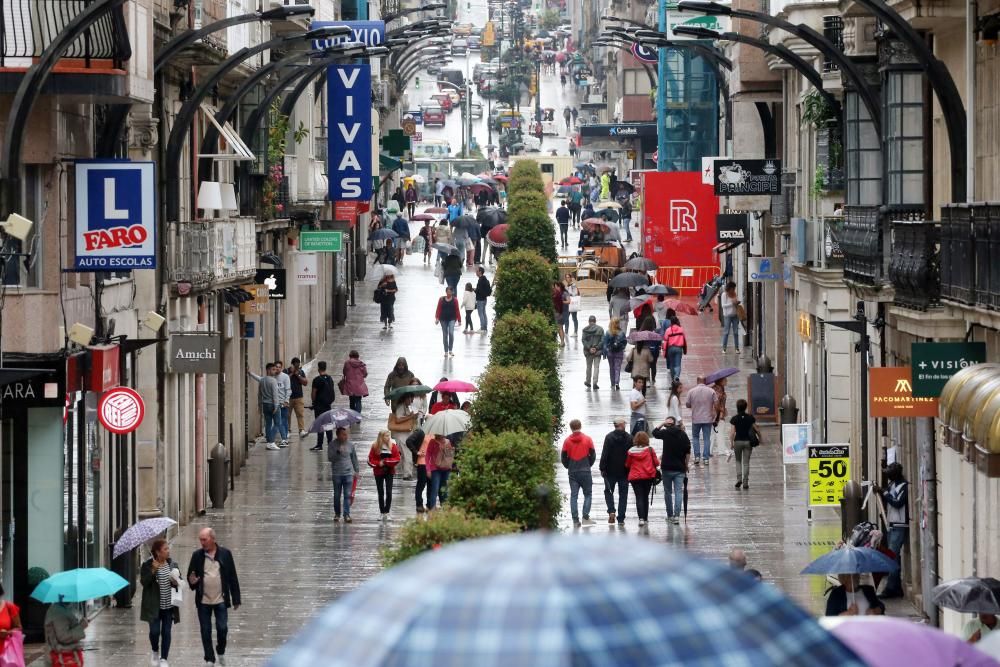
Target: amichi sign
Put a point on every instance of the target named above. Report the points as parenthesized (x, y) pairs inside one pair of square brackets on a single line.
[(195, 352), (934, 363)]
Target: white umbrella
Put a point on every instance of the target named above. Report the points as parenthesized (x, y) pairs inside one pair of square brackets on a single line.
[(389, 270), (447, 422)]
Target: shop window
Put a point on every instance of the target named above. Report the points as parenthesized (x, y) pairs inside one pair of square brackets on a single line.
[(637, 82)]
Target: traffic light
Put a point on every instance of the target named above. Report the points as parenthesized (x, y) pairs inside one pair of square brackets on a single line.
[(416, 82)]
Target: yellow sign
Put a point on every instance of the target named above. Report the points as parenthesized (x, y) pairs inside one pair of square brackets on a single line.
[(805, 326), (259, 302), (829, 470), (489, 36)]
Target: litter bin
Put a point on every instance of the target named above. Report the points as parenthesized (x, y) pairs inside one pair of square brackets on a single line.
[(340, 306), (851, 513), (789, 410), (218, 476), (360, 264)]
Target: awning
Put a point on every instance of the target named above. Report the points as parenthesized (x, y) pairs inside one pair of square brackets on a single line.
[(232, 138), (11, 375), (387, 164), (970, 410), (130, 345)]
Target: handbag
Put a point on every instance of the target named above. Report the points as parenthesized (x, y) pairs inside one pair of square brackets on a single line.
[(574, 304), (176, 594), (397, 424), (754, 438), (342, 386), (628, 361), (13, 650), (379, 295)]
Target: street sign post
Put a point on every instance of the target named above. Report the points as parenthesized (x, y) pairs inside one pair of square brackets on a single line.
[(829, 470), (935, 363), (323, 241)]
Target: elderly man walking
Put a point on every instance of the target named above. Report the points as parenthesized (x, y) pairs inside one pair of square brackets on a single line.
[(702, 401), (593, 343), (211, 574)]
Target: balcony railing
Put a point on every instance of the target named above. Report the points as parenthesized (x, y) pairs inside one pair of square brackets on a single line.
[(862, 242), (28, 26), (205, 253), (970, 245), (816, 242), (914, 264)]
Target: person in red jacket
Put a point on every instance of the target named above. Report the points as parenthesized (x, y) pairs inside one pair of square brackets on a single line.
[(578, 457), (448, 314), (641, 463), (383, 457)]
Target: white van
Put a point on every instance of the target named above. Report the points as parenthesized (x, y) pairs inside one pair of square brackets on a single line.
[(432, 148)]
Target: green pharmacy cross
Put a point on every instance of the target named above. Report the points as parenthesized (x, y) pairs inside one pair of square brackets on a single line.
[(396, 143)]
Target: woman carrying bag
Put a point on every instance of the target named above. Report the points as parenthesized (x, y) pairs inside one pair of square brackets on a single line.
[(11, 637), (160, 578), (744, 437), (383, 457)]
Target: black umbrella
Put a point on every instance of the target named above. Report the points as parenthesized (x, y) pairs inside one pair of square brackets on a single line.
[(665, 290), (465, 222), (714, 286), (976, 595), (623, 185), (641, 264), (629, 279)]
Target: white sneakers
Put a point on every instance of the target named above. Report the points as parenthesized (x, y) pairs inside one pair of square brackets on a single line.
[(154, 660), (272, 447), (303, 433), (587, 523), (221, 659), (163, 662), (283, 444), (642, 522)]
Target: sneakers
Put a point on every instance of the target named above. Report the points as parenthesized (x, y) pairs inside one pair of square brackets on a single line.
[(303, 433), (283, 444), (611, 517), (596, 387), (163, 662), (336, 518), (587, 523), (642, 522), (697, 460), (739, 484), (155, 659), (347, 519), (317, 448), (746, 485), (587, 385), (220, 658), (676, 520), (385, 517), (272, 447), (576, 523)]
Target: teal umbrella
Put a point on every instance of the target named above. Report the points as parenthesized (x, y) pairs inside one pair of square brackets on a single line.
[(79, 585), (399, 392)]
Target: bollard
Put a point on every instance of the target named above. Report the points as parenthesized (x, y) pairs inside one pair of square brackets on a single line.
[(850, 509), (218, 476), (764, 364), (789, 410), (340, 305)]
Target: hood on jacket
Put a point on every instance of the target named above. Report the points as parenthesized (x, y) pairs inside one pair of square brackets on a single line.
[(355, 364), (638, 450), (593, 328), (406, 367), (578, 445)]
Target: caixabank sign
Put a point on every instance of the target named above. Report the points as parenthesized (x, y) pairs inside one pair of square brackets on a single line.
[(115, 215)]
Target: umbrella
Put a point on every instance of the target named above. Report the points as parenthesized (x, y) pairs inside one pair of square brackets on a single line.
[(561, 56), (564, 189), (465, 222), (388, 270), (609, 214), (637, 308), (455, 385), (850, 560), (625, 600), (640, 264), (644, 337), (447, 421), (607, 203), (596, 224), (438, 174), (445, 248), (450, 183), (338, 417), (640, 299), (571, 180), (665, 290), (681, 307), (882, 640), (497, 236), (382, 234), (629, 279), (714, 285), (79, 585), (622, 185), (990, 645), (976, 595), (422, 217), (399, 392), (140, 533), (500, 177), (720, 374), (491, 216), (468, 181), (580, 165), (435, 209)]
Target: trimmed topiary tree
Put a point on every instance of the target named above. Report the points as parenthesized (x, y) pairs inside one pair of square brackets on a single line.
[(444, 526), (523, 281), (533, 231), (526, 202), (523, 185), (501, 476), (509, 347), (512, 397), (526, 167)]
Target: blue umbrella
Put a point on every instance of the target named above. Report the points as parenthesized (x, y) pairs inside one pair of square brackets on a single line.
[(382, 235), (851, 560), (142, 532), (720, 374), (338, 417), (79, 585), (551, 599)]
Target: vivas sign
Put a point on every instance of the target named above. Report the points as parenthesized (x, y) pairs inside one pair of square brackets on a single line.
[(349, 158), (747, 177), (115, 215)]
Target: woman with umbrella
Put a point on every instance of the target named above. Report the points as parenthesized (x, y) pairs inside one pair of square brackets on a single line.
[(867, 604), (613, 349), (618, 302), (158, 579), (385, 294), (642, 362)]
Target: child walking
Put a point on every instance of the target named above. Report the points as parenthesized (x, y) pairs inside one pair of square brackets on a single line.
[(469, 304)]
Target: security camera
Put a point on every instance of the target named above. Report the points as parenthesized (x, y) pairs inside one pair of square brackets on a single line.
[(153, 321), (17, 226), (81, 334)]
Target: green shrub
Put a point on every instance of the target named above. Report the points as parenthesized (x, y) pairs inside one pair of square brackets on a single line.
[(526, 168), (523, 281), (508, 348), (526, 202), (500, 477), (512, 397), (524, 184), (533, 231), (441, 527)]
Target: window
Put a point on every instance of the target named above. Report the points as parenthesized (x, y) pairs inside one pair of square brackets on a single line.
[(904, 142), (863, 166), (637, 82), (21, 259)]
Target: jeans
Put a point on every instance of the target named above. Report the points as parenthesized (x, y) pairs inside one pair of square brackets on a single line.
[(318, 410), (418, 494), (354, 402), (675, 480), (742, 450), (675, 354), (439, 490), (730, 323), (160, 628), (615, 366), (283, 425), (641, 489), (634, 419), (593, 366), (564, 234), (898, 538), (452, 281), (448, 334), (205, 612), (701, 433), (627, 224), (576, 322), (342, 489), (272, 419), (468, 320), (580, 479), (384, 485), (481, 309), (610, 484)]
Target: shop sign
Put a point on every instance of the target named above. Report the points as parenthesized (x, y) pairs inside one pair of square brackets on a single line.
[(747, 177), (934, 363), (679, 223), (325, 241), (805, 326), (195, 352), (115, 215), (764, 269), (829, 470), (891, 394), (258, 304), (121, 410), (795, 442), (620, 131), (104, 368), (47, 390), (369, 33), (732, 227), (274, 280), (306, 269), (645, 54), (349, 154)]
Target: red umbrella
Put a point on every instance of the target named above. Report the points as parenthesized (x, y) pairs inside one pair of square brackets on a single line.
[(435, 209), (422, 217), (500, 177), (593, 224), (498, 236), (570, 180), (681, 307), (455, 385), (476, 187), (648, 302)]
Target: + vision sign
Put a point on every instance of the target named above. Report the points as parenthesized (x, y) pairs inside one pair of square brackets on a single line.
[(115, 215)]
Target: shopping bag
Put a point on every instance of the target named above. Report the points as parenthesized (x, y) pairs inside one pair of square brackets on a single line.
[(13, 650)]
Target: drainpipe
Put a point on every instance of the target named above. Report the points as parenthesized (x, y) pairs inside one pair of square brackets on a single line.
[(928, 515), (971, 12), (199, 422)]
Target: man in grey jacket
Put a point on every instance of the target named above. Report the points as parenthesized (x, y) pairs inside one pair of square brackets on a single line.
[(284, 383), (268, 396), (592, 339), (344, 462)]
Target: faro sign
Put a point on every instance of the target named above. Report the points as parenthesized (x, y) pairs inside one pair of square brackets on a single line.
[(115, 215), (349, 156)]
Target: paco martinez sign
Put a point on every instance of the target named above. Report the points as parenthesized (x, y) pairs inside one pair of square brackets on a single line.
[(891, 394)]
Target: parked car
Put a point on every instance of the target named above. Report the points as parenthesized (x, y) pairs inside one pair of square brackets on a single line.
[(462, 29), (474, 43), (460, 47), (433, 115), (476, 109), (433, 70), (444, 101)]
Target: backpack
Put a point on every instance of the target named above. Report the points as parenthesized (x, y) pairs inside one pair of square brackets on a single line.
[(445, 457), (379, 295), (618, 344)]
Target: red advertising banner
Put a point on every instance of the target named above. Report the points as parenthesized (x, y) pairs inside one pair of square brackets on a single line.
[(346, 211), (678, 228)]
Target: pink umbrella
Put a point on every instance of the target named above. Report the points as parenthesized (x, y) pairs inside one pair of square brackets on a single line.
[(883, 640), (455, 385), (435, 209)]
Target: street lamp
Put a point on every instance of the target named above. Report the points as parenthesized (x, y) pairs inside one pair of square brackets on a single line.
[(405, 12)]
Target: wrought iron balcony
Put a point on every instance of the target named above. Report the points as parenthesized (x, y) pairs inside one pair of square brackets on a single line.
[(207, 253), (862, 240), (914, 264), (28, 26), (970, 244)]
